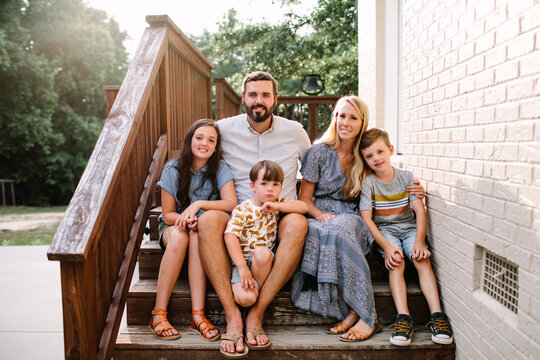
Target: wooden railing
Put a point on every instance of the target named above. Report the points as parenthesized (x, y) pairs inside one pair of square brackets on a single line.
[(313, 112), (227, 100), (166, 88)]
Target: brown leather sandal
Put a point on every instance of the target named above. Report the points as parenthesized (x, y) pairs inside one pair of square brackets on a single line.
[(207, 327), (165, 325), (362, 336), (341, 326)]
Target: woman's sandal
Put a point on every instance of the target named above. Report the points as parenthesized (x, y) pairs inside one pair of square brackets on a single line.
[(208, 326), (165, 325), (234, 338), (341, 326), (256, 332), (362, 336)]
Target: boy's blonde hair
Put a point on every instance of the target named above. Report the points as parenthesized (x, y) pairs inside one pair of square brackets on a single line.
[(272, 171), (353, 185), (370, 137)]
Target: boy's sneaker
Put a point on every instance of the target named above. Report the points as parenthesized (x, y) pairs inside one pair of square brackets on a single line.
[(404, 329), (441, 331)]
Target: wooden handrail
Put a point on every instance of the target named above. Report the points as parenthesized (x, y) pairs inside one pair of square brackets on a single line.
[(112, 324), (166, 88), (72, 240)]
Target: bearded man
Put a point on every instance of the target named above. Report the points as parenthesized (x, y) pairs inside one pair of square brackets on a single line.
[(247, 139)]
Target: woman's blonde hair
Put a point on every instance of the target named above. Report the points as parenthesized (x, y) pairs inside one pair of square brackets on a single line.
[(330, 137)]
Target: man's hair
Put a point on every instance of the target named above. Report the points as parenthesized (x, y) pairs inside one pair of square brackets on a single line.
[(272, 171), (373, 135), (258, 76)]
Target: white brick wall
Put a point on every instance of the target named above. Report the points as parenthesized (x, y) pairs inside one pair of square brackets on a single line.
[(471, 102)]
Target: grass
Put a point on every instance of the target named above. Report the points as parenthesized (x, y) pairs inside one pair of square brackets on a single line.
[(22, 210), (39, 236)]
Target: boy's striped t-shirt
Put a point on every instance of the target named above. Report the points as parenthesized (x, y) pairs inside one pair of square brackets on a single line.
[(387, 205), (390, 202)]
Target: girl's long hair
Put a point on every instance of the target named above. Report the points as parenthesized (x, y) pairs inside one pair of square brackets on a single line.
[(185, 160), (330, 137)]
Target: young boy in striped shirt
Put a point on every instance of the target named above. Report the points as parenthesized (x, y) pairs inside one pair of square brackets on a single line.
[(385, 206)]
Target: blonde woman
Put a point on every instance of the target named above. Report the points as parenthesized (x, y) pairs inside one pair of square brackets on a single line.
[(333, 278)]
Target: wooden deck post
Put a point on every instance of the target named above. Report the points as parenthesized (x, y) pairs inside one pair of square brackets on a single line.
[(313, 124), (110, 95), (227, 100), (78, 303)]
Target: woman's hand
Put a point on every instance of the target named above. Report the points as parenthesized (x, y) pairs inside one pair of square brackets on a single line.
[(417, 189), (324, 217)]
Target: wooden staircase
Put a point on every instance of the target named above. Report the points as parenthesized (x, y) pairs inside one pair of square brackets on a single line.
[(295, 334)]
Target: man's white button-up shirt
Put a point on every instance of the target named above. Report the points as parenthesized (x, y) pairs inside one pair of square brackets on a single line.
[(285, 142)]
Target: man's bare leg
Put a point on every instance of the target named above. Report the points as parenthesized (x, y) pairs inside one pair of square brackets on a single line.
[(217, 264), (292, 233)]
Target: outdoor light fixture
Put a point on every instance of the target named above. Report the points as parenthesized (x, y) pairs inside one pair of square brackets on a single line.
[(312, 84)]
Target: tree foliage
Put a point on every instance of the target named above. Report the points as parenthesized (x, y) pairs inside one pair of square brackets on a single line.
[(323, 42), (55, 56)]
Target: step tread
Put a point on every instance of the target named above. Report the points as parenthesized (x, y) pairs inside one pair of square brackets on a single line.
[(283, 338), (151, 246), (148, 287)]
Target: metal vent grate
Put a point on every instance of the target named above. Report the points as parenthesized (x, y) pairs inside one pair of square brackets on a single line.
[(500, 280)]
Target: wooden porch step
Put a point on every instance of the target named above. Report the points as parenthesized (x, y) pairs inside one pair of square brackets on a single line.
[(288, 342), (150, 256), (281, 311)]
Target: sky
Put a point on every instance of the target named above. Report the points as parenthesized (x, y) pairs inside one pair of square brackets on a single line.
[(191, 16)]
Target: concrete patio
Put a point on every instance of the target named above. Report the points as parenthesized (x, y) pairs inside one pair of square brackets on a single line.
[(31, 303)]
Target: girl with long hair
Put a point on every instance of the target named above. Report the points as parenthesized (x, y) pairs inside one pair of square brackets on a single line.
[(196, 181)]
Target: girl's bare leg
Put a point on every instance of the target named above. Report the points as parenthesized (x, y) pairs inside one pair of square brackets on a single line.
[(176, 242), (197, 280)]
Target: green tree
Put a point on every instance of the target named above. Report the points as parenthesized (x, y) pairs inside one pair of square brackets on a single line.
[(323, 42), (55, 57)]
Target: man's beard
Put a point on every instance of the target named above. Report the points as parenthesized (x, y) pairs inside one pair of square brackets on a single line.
[(259, 117)]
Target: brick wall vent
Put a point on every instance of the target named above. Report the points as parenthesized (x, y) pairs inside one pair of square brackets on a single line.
[(500, 280)]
